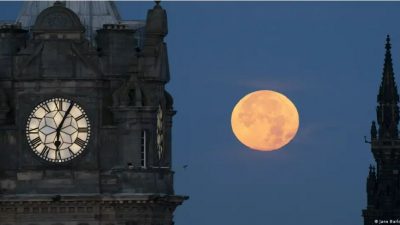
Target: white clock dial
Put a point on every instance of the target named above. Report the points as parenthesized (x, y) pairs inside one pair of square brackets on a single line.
[(58, 130)]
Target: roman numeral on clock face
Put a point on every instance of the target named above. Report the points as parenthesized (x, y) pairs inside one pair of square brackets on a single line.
[(71, 152), (45, 107), (80, 117), (35, 142), (34, 130), (45, 151), (82, 129), (80, 142), (59, 105)]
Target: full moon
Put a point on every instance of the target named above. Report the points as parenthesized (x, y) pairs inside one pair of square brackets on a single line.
[(265, 120)]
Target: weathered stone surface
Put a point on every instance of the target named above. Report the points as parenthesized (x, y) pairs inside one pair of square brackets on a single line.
[(117, 209), (30, 175)]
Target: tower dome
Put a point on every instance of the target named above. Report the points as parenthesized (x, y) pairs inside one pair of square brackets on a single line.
[(92, 14)]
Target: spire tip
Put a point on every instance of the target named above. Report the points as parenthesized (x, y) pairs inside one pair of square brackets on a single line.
[(388, 45)]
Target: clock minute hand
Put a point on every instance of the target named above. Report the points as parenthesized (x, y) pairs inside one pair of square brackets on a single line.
[(65, 116), (62, 123)]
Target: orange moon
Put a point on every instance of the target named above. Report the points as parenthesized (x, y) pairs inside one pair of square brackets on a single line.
[(265, 120)]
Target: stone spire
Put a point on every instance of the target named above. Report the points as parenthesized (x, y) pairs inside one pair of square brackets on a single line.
[(388, 110)]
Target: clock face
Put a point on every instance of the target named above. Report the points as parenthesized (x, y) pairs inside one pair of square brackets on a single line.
[(58, 130)]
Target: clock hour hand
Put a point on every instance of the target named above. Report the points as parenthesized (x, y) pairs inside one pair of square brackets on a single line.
[(57, 142)]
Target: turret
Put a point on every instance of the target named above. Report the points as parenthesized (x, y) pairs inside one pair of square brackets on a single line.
[(154, 61), (156, 26), (142, 101)]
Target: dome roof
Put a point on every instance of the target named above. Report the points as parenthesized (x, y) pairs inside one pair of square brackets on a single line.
[(92, 14), (57, 18)]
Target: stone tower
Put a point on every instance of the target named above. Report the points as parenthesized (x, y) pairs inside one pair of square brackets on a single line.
[(383, 182), (85, 120)]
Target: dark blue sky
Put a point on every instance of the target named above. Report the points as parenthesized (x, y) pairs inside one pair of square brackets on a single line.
[(326, 57)]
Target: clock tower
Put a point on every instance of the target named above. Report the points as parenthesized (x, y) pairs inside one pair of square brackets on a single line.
[(85, 120), (383, 182)]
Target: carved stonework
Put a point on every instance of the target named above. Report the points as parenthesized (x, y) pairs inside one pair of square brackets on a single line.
[(144, 210), (128, 94)]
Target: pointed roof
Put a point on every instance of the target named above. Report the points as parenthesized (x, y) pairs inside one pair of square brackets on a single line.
[(388, 89), (93, 14), (388, 110)]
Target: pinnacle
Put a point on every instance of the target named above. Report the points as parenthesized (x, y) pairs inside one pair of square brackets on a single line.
[(388, 45), (387, 110)]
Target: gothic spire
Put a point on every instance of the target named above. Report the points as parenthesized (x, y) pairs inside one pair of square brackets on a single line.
[(388, 89), (387, 110)]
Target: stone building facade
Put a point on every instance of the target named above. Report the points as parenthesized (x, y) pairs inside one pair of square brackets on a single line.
[(383, 182), (85, 120)]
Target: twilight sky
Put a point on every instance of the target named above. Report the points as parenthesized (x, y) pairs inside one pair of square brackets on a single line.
[(326, 57)]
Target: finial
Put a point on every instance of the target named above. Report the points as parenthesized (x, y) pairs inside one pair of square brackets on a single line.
[(59, 3), (157, 2), (388, 46)]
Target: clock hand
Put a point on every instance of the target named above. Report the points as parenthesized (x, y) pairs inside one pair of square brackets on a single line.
[(57, 142), (65, 115)]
